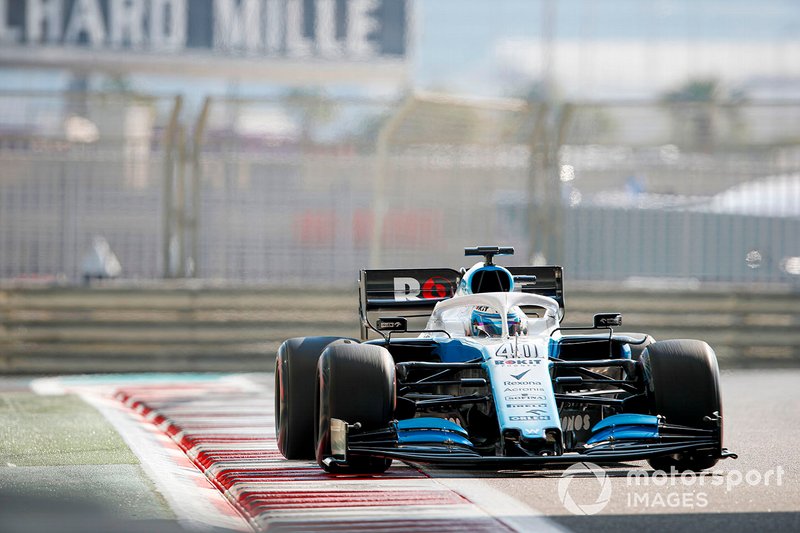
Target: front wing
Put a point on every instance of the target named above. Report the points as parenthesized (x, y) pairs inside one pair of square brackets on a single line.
[(618, 438)]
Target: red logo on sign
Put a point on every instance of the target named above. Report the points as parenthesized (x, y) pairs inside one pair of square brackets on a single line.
[(436, 287)]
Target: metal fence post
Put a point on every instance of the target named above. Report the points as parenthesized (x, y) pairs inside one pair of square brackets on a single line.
[(180, 201), (545, 209), (169, 170), (381, 161), (537, 222), (193, 220), (557, 203)]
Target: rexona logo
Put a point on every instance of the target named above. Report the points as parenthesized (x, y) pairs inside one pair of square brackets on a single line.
[(409, 288), (521, 383)]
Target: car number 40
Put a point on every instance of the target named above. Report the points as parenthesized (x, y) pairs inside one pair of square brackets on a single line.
[(508, 350)]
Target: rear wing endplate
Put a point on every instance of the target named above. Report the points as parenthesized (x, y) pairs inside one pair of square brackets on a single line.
[(545, 281), (403, 292)]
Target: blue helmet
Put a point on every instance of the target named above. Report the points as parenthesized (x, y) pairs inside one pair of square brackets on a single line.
[(486, 323)]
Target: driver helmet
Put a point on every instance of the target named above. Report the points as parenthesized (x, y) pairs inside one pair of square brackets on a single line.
[(485, 322)]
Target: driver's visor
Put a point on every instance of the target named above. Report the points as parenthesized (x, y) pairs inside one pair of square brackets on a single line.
[(494, 328)]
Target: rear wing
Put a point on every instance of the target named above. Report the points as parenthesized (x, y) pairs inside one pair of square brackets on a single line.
[(546, 281), (414, 292)]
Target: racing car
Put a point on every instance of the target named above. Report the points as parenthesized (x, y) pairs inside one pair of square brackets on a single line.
[(473, 368)]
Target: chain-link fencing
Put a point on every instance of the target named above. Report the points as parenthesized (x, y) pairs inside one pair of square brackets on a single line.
[(75, 166), (306, 188)]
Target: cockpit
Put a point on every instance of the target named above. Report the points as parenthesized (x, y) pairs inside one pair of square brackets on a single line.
[(487, 322), (494, 315)]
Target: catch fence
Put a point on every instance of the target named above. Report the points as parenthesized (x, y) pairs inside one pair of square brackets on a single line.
[(306, 189)]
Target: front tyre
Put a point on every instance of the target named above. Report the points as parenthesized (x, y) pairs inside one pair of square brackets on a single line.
[(295, 368), (355, 383), (683, 381)]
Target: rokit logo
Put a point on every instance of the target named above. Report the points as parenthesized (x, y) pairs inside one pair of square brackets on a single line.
[(527, 362)]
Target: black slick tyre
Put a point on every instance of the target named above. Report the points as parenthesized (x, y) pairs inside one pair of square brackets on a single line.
[(355, 383), (683, 382), (295, 368)]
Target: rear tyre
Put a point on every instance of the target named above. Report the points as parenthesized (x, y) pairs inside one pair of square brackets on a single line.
[(355, 383), (683, 381), (295, 367)]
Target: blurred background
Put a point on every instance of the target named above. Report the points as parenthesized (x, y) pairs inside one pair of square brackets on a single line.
[(185, 183)]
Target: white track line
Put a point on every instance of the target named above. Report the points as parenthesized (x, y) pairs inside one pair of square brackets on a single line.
[(197, 504)]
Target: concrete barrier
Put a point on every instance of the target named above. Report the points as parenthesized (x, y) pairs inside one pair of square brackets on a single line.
[(183, 327)]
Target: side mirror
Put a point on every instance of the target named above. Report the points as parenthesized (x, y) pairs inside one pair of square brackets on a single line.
[(394, 323), (607, 320)]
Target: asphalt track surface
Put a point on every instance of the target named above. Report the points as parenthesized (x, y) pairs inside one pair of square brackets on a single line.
[(762, 425), (760, 490)]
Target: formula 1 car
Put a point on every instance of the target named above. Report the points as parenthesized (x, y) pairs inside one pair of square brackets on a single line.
[(491, 379)]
